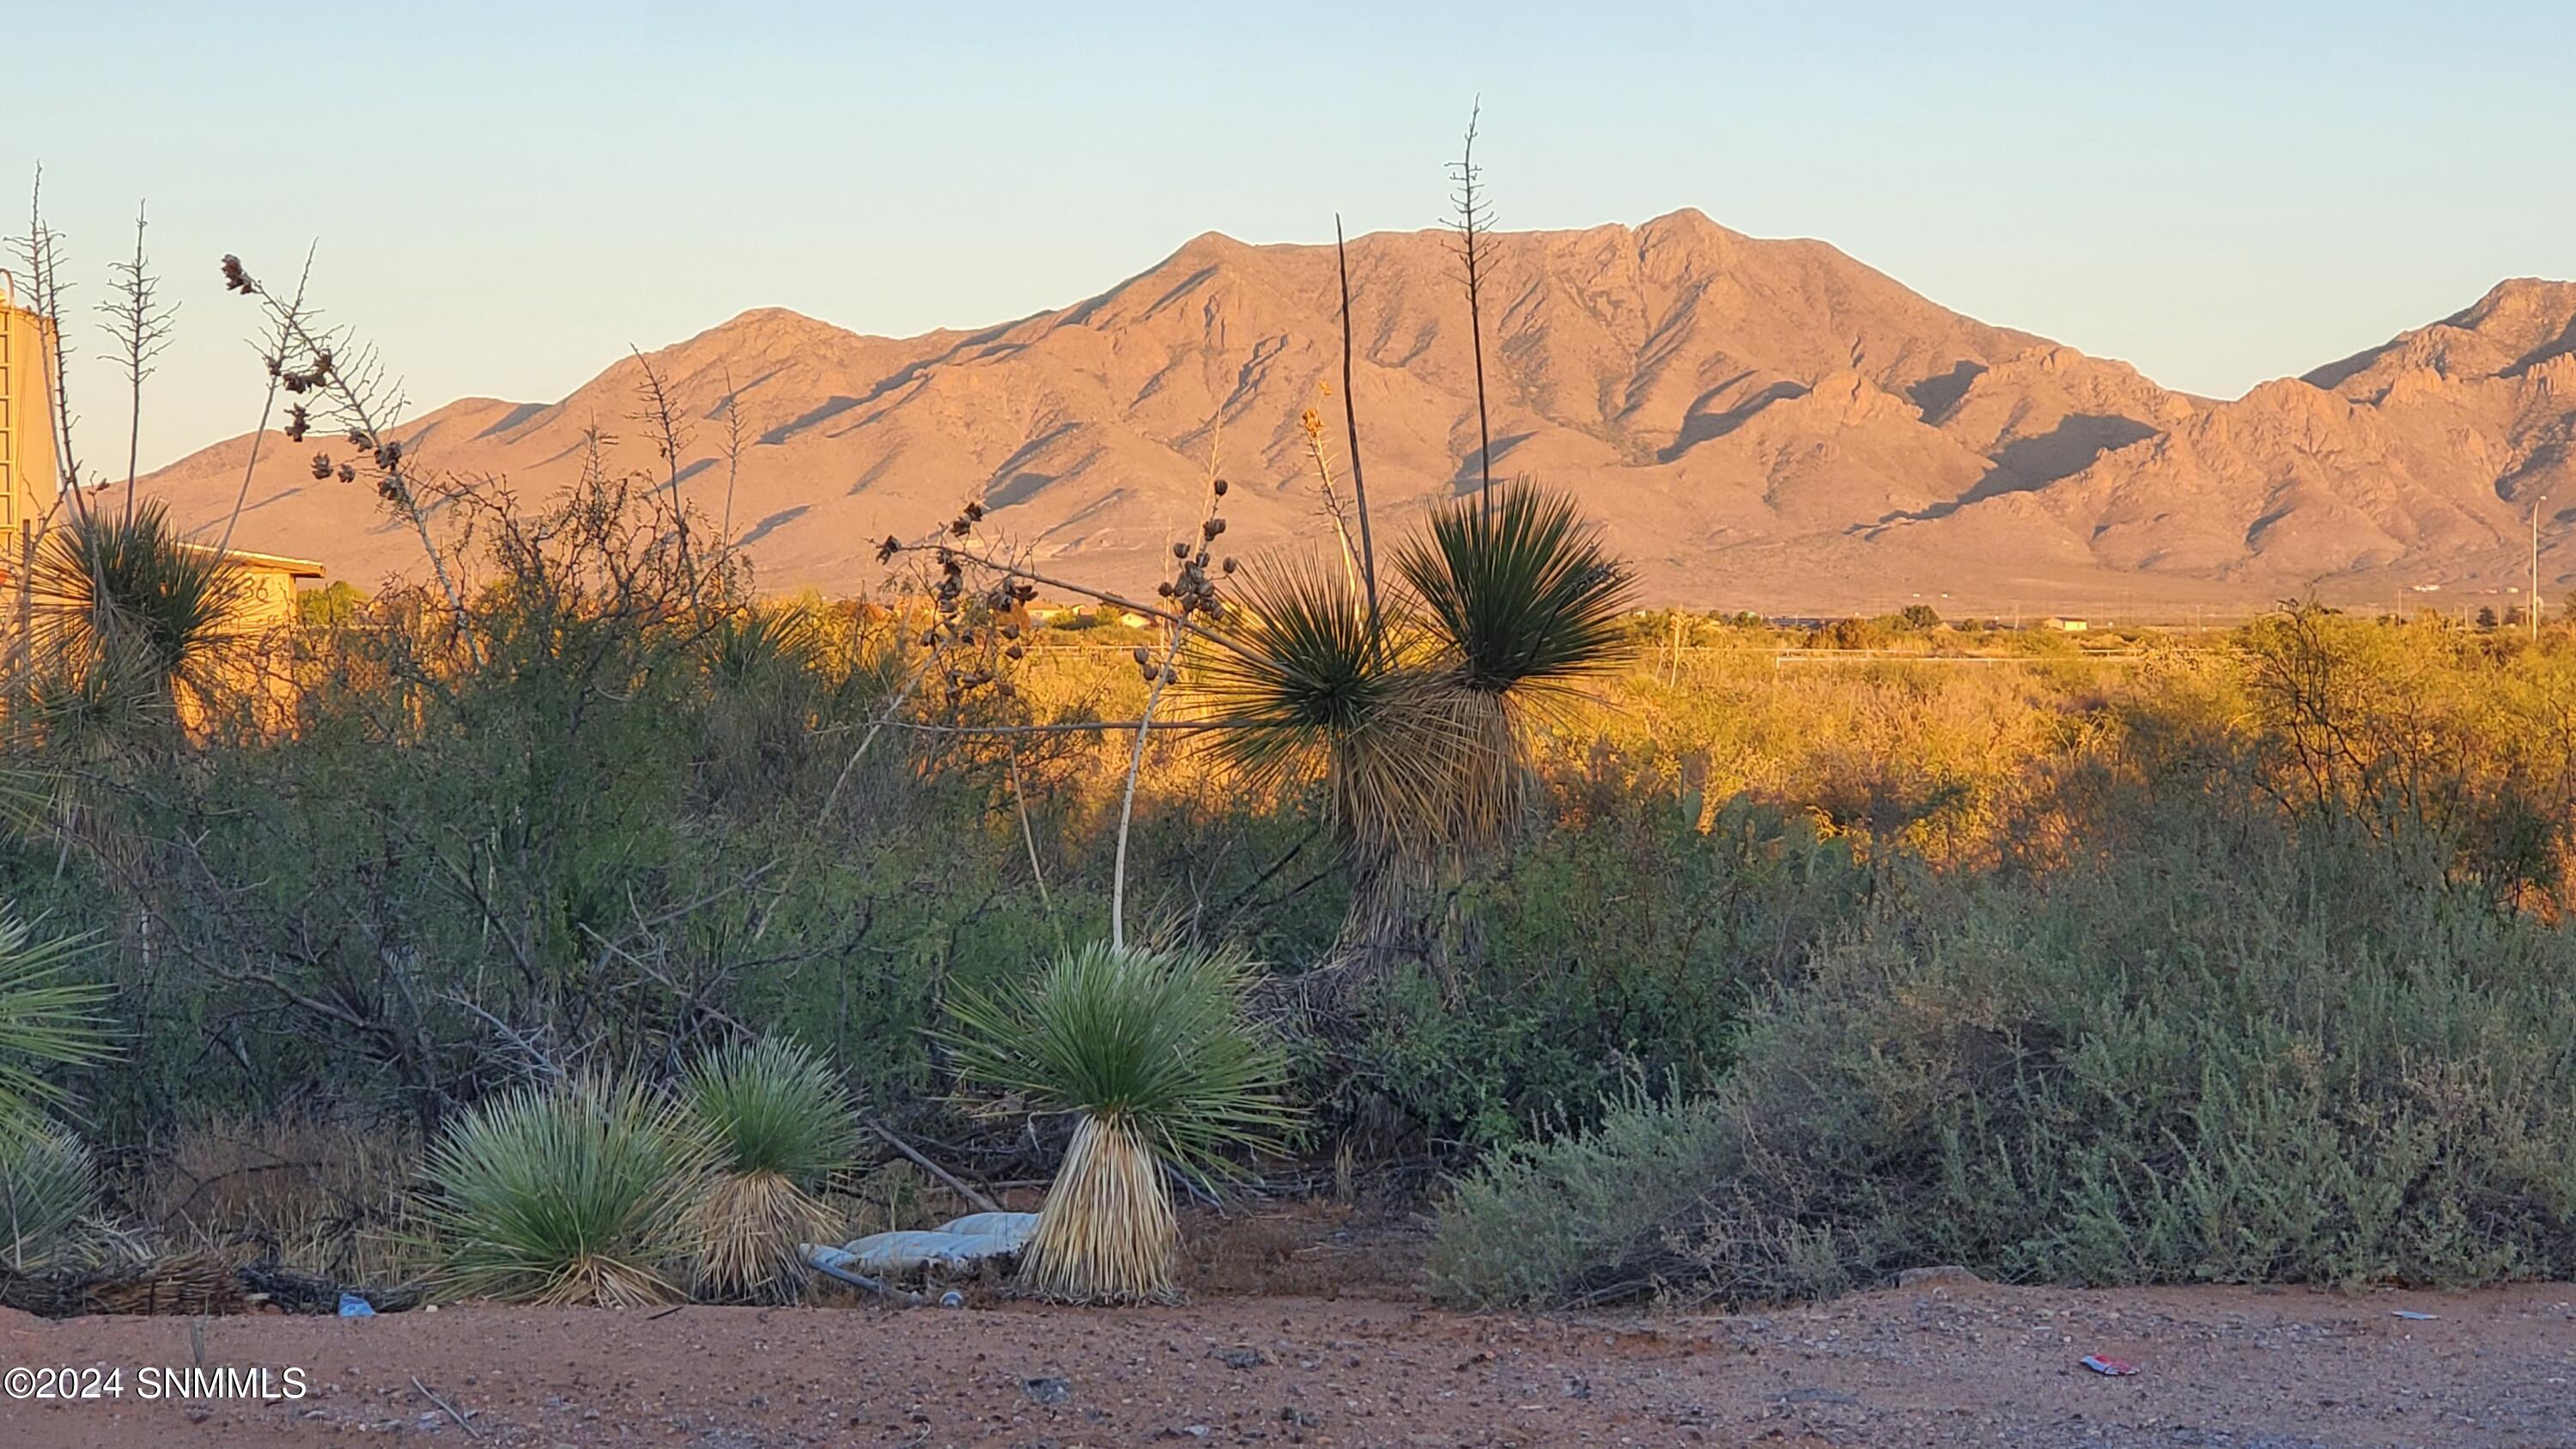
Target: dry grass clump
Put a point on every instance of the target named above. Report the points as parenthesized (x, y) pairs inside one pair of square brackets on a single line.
[(324, 1195), (781, 1125)]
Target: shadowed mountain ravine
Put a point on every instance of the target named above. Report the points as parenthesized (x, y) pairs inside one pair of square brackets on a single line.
[(1758, 424)]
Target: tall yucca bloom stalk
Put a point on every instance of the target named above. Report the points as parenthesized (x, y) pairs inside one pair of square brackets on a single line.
[(780, 1125), (1155, 1054)]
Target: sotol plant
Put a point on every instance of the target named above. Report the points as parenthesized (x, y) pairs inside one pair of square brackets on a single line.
[(780, 1125), (573, 1193), (1154, 1054)]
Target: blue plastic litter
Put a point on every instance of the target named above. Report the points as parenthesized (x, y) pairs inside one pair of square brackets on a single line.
[(353, 1306)]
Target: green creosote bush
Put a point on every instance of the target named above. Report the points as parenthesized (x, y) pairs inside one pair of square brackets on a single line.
[(2235, 1053), (1554, 1018)]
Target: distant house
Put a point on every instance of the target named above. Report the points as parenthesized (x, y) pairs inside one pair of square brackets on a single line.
[(2064, 626), (268, 596), (30, 475)]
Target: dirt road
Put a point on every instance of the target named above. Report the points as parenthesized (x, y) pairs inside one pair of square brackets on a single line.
[(1932, 1364)]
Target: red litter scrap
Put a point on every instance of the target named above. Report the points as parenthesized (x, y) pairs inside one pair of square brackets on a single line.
[(2108, 1367)]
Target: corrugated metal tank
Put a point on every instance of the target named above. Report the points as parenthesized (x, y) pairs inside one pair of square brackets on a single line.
[(29, 474)]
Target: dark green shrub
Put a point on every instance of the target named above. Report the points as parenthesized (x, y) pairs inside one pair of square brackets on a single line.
[(1627, 942), (2232, 1054)]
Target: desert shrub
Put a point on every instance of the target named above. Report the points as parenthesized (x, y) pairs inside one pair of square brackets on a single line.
[(575, 1193), (1851, 634), (329, 1195), (2241, 1050), (615, 814), (2421, 733), (1540, 1219), (48, 1191), (781, 1124), (1626, 942)]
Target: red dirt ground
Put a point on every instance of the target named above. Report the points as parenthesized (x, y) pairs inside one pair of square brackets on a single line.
[(1938, 1363)]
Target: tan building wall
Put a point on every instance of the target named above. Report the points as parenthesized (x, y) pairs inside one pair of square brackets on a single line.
[(269, 589)]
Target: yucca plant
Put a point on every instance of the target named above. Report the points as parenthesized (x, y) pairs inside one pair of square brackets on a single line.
[(130, 616), (745, 646), (48, 1192), (45, 1020), (780, 1125), (1528, 606), (1416, 711), (568, 1193), (1523, 592), (1306, 683), (1155, 1055)]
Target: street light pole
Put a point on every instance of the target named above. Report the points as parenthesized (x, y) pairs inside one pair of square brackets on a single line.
[(2535, 568)]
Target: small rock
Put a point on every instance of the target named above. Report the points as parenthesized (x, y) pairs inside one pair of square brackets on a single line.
[(1242, 1358), (1047, 1391), (1817, 1396)]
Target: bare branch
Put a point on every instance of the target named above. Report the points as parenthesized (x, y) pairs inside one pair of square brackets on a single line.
[(1351, 421), (1472, 221), (331, 365), (669, 437), (267, 409), (141, 323)]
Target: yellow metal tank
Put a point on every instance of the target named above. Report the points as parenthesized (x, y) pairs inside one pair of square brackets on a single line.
[(29, 474)]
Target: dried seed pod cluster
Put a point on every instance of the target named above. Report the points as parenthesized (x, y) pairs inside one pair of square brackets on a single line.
[(321, 374), (302, 380), (978, 631), (1191, 589)]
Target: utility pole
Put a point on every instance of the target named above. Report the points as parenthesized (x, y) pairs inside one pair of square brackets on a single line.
[(2534, 611)]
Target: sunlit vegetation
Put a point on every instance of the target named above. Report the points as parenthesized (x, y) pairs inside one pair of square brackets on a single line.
[(1660, 954)]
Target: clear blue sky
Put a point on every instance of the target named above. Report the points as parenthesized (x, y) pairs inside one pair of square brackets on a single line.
[(505, 196)]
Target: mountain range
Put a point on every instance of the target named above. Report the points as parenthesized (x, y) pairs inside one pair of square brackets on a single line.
[(1759, 424)]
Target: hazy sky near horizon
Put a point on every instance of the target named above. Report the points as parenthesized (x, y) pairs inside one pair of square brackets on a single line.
[(505, 196)]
